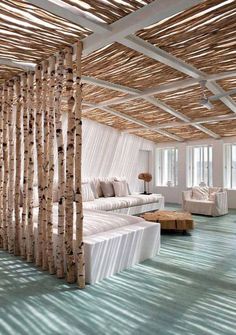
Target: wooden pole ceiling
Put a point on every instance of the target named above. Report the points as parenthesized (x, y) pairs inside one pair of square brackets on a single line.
[(147, 73)]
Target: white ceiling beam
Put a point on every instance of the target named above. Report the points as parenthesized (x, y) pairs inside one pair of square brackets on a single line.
[(19, 65), (143, 17), (158, 103), (151, 51), (105, 34), (206, 131), (71, 14), (164, 88), (119, 31), (199, 121), (164, 57), (134, 120), (217, 90)]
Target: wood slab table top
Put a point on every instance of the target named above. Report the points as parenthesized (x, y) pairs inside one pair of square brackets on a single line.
[(171, 220)]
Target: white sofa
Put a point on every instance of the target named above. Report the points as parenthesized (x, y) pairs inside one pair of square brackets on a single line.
[(212, 202), (131, 204)]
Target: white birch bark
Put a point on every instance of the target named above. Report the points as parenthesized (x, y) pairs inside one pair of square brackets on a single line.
[(69, 193), (11, 168), (18, 167), (51, 266), (30, 228), (61, 167), (78, 193), (24, 221)]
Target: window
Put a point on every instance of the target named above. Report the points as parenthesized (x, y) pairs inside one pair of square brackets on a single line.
[(230, 166), (166, 167), (199, 165)]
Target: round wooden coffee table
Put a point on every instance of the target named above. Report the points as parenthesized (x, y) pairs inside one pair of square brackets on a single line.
[(171, 220)]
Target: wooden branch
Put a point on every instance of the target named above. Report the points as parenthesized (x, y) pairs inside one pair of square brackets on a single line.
[(11, 168), (61, 166), (6, 166), (30, 228), (24, 221), (45, 165), (69, 194), (1, 166), (78, 194), (39, 148), (51, 266), (18, 166)]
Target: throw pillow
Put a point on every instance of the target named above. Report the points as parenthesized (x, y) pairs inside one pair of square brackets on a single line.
[(107, 189), (120, 188), (200, 193), (87, 193), (123, 179)]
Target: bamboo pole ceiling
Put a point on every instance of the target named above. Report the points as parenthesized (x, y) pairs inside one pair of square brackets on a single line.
[(201, 38)]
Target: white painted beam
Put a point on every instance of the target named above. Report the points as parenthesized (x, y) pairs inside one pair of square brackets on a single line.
[(164, 88), (72, 14), (207, 131), (19, 65), (134, 120), (156, 103), (106, 34), (151, 51), (199, 121), (216, 89), (143, 17)]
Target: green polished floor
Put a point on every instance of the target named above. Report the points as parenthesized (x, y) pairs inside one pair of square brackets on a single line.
[(190, 288)]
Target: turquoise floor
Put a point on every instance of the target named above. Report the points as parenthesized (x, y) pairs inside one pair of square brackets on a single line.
[(190, 288)]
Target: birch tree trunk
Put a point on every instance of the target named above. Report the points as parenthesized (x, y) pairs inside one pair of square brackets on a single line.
[(30, 228), (11, 168), (51, 266), (78, 194), (24, 221), (18, 166), (61, 167), (1, 167), (6, 166), (45, 166), (39, 148), (69, 192)]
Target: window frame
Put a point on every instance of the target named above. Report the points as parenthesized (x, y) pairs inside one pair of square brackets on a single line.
[(190, 164), (229, 147), (159, 166)]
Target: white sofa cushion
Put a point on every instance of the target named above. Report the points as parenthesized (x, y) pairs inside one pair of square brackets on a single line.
[(109, 204)]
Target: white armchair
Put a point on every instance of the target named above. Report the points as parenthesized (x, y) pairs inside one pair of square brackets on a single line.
[(214, 203)]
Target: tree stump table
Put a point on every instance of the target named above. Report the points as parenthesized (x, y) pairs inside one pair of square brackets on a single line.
[(171, 220)]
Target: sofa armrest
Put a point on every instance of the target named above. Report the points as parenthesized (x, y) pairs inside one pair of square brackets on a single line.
[(221, 198)]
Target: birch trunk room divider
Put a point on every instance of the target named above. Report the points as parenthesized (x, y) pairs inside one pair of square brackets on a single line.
[(31, 110)]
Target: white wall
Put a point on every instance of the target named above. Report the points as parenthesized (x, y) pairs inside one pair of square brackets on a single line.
[(174, 194), (108, 152)]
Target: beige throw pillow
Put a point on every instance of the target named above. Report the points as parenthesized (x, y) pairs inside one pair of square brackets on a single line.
[(200, 193), (120, 188), (123, 179), (107, 189)]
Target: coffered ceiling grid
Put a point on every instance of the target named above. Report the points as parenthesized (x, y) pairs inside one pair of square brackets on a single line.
[(177, 44)]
